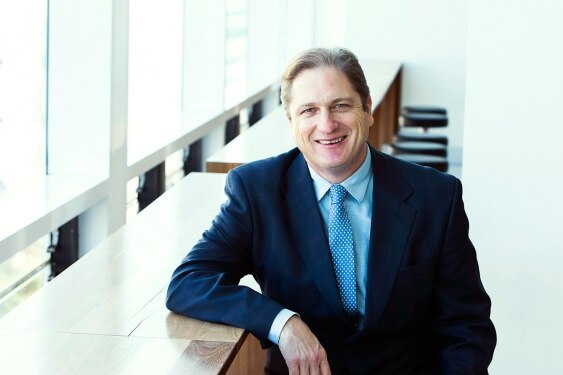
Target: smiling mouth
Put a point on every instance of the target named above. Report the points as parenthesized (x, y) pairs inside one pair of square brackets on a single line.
[(331, 141)]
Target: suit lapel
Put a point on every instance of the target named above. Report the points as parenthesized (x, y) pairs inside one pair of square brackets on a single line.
[(391, 223), (306, 229)]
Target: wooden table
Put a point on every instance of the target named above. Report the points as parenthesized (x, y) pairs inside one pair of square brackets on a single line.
[(107, 310), (271, 135), (384, 81), (26, 352)]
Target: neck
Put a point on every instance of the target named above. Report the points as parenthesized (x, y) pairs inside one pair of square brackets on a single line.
[(337, 175)]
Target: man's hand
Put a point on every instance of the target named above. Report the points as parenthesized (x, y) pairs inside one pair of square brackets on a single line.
[(301, 350)]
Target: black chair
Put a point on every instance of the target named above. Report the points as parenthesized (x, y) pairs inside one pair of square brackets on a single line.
[(414, 143), (424, 120), (415, 125), (423, 109), (437, 162), (421, 148), (405, 135)]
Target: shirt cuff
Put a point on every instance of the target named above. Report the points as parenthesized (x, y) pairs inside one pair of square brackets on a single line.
[(278, 324)]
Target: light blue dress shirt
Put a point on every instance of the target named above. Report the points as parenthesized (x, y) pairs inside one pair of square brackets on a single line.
[(358, 205)]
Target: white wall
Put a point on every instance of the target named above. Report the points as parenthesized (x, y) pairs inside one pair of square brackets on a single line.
[(429, 37), (330, 23), (513, 175), (298, 30)]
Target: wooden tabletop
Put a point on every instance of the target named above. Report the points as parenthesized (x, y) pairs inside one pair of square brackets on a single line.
[(269, 136), (107, 313), (380, 75), (25, 352), (111, 289)]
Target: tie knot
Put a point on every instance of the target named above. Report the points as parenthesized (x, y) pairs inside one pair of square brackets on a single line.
[(337, 194)]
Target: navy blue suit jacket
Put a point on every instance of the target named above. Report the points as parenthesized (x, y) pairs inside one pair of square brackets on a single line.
[(426, 309)]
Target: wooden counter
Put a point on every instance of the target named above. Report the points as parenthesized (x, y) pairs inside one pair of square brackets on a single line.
[(268, 137), (384, 81), (108, 310), (26, 352)]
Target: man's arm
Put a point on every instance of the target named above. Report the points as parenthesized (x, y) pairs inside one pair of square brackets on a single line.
[(205, 285), (466, 334)]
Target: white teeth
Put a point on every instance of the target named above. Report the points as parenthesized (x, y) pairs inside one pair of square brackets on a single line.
[(331, 141)]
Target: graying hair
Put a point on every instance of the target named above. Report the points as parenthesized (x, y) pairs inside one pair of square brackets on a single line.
[(338, 58)]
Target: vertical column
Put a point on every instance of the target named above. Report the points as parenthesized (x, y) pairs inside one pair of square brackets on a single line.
[(117, 199)]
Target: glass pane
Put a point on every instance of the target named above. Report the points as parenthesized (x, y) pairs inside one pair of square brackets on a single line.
[(236, 51), (23, 274), (155, 73), (23, 80)]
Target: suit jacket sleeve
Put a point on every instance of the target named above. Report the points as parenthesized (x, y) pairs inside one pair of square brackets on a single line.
[(205, 285), (466, 334)]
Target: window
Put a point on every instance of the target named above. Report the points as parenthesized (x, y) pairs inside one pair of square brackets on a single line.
[(23, 82), (235, 50), (155, 74)]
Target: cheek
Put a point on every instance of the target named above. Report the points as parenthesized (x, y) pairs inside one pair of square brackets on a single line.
[(300, 130), (294, 130), (362, 122)]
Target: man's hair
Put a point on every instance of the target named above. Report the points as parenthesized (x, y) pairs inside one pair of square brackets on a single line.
[(338, 58)]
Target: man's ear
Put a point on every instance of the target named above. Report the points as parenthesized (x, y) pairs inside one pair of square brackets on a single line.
[(368, 105), (368, 110)]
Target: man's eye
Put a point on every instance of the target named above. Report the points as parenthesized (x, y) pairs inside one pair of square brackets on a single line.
[(308, 110), (342, 106)]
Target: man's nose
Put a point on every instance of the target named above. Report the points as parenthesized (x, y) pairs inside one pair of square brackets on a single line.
[(327, 122)]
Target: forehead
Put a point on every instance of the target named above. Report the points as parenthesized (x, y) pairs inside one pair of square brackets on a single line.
[(320, 85)]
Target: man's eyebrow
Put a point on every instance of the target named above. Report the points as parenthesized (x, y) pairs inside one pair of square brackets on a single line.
[(343, 99), (303, 106)]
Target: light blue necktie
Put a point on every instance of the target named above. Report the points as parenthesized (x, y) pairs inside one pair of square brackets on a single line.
[(342, 248)]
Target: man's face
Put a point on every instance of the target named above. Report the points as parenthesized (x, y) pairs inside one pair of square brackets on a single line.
[(328, 122)]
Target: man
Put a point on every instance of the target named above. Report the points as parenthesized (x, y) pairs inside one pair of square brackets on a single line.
[(364, 261)]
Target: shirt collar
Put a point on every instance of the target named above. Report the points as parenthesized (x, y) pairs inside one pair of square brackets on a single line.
[(356, 184)]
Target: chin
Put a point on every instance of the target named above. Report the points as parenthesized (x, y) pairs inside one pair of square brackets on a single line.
[(332, 166)]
